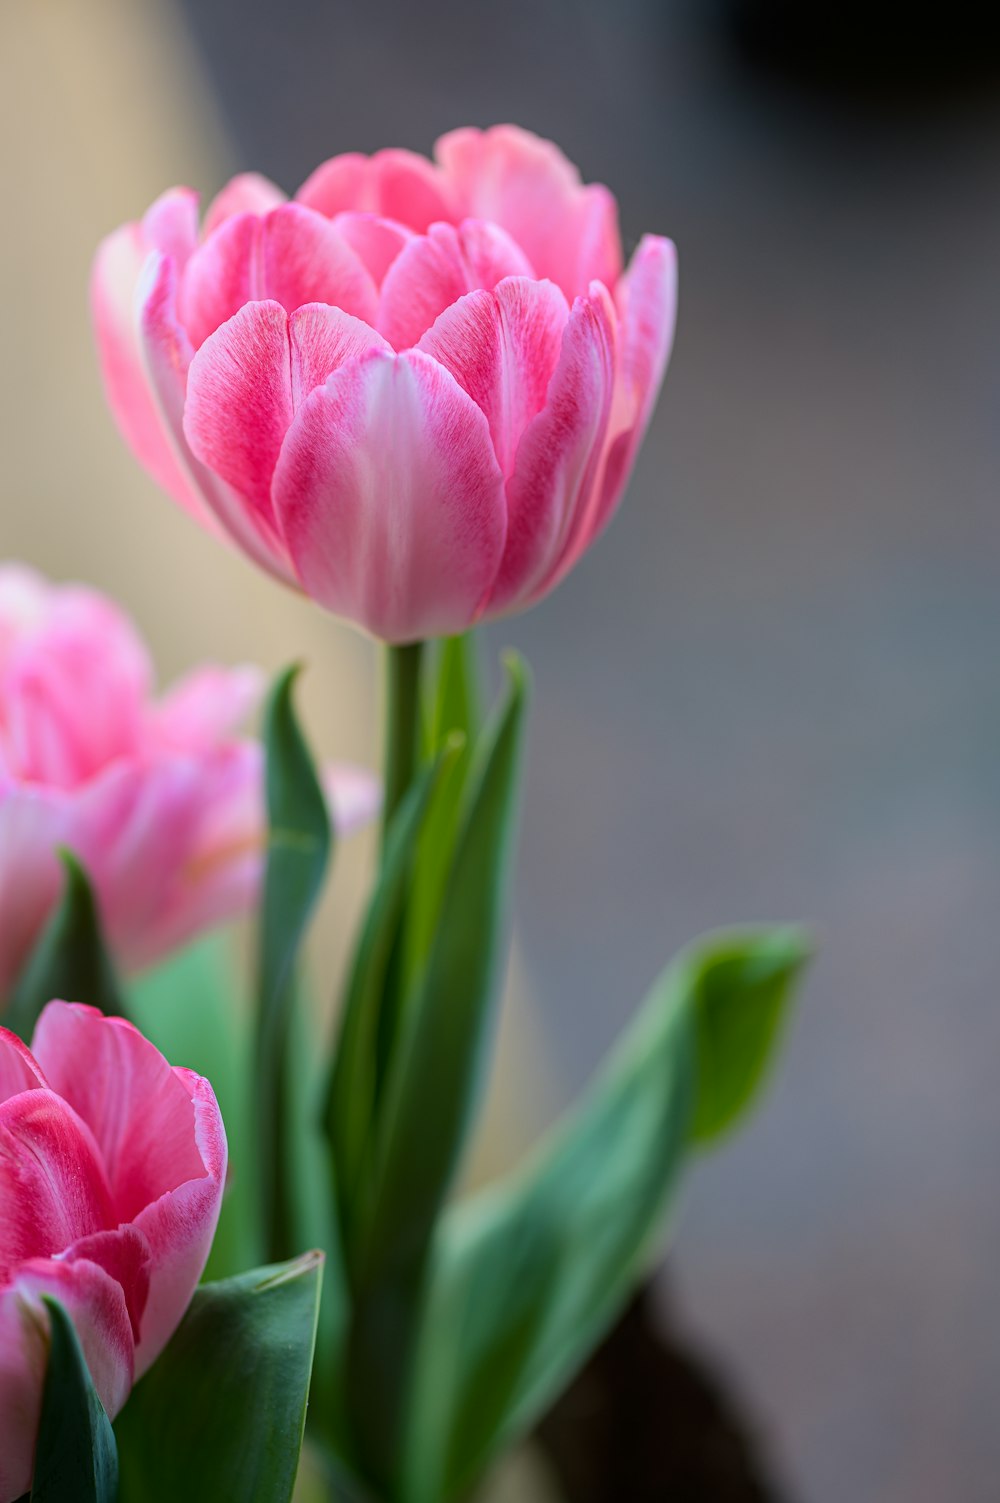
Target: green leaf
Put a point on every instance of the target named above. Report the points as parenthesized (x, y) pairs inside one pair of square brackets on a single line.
[(527, 1276), (740, 1013), (437, 1071), (221, 1414), (351, 1099), (299, 845), (76, 1460), (194, 1009), (70, 960), (434, 1077)]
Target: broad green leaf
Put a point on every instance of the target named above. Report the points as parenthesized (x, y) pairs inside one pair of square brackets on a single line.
[(351, 1099), (526, 1277), (430, 1093), (76, 1460), (70, 960), (740, 1012), (298, 851), (194, 1009), (221, 1414)]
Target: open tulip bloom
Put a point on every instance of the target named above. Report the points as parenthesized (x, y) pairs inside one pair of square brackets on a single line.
[(415, 392)]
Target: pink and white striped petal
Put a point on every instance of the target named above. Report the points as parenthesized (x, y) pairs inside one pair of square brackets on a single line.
[(557, 465), (502, 348), (395, 184), (247, 193), (114, 282), (167, 352), (647, 310), (568, 230), (435, 270), (391, 498), (248, 380)]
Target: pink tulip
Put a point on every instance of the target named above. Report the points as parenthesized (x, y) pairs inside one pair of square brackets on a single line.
[(416, 391), (160, 800), (112, 1166)]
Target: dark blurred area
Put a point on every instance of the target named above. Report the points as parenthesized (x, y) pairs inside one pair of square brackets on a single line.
[(773, 691)]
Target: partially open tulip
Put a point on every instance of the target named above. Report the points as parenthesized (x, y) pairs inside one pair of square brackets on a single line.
[(415, 391), (112, 1166), (160, 799)]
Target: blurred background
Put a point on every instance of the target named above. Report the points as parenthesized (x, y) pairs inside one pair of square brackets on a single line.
[(771, 692)]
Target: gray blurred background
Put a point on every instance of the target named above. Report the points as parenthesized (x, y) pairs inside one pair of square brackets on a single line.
[(772, 691)]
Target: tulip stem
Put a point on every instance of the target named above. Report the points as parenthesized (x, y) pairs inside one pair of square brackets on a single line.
[(402, 725)]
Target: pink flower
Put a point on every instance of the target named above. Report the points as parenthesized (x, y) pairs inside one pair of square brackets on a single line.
[(416, 391), (112, 1166), (160, 800)]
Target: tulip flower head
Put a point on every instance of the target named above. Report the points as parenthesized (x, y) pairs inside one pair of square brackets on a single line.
[(112, 1167), (161, 799), (415, 391)]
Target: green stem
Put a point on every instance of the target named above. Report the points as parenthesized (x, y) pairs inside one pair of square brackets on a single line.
[(402, 725)]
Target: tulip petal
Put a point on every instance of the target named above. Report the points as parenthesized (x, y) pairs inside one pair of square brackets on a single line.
[(162, 1141), (647, 310), (394, 184), (116, 275), (124, 1254), (568, 231), (376, 241), (53, 1188), (304, 259), (96, 1304), (557, 463), (502, 348), (167, 352), (170, 225), (247, 193), (434, 270), (204, 708), (34, 822), (18, 1070), (250, 376), (391, 498)]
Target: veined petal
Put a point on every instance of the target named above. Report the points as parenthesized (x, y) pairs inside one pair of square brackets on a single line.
[(96, 1305), (376, 241), (558, 461), (247, 193), (116, 275), (391, 498), (568, 230), (170, 225), (502, 348), (162, 1142), (250, 376), (53, 1187), (120, 1085), (394, 184), (305, 259), (167, 351), (647, 311), (434, 270), (18, 1068)]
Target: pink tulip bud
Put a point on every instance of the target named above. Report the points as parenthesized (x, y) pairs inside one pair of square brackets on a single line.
[(112, 1166), (415, 392), (160, 799)]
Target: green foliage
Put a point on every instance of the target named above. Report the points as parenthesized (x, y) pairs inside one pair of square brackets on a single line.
[(527, 1276), (76, 1459), (299, 844), (70, 960), (221, 1414)]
